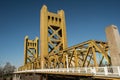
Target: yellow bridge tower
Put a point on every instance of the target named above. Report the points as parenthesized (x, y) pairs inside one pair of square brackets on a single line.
[(52, 34)]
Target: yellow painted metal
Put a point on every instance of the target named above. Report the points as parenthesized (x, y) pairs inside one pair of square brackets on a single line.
[(30, 50), (82, 55), (52, 33), (31, 53), (54, 52)]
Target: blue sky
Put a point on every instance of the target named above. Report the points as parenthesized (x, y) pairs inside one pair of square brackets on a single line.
[(85, 20)]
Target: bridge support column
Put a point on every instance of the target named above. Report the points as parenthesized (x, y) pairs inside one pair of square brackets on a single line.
[(113, 39), (41, 77), (83, 78), (44, 77), (15, 77)]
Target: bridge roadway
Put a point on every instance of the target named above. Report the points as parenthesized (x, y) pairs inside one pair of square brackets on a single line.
[(105, 73)]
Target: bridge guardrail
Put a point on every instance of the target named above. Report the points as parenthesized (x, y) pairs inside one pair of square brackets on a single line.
[(112, 71)]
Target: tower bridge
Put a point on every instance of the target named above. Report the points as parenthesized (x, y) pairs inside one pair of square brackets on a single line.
[(88, 60)]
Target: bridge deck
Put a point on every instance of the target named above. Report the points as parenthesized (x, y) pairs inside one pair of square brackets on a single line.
[(112, 72)]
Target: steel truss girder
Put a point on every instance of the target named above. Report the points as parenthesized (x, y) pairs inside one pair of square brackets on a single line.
[(82, 55)]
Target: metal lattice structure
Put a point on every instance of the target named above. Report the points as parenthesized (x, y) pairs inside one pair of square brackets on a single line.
[(54, 52), (52, 34), (31, 53), (87, 54)]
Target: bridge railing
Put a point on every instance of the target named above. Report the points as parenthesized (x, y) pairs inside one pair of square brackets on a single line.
[(112, 71), (108, 71)]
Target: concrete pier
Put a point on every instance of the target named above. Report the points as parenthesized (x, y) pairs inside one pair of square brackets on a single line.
[(113, 39)]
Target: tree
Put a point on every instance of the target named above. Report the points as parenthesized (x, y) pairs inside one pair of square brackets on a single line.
[(1, 71), (8, 68)]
